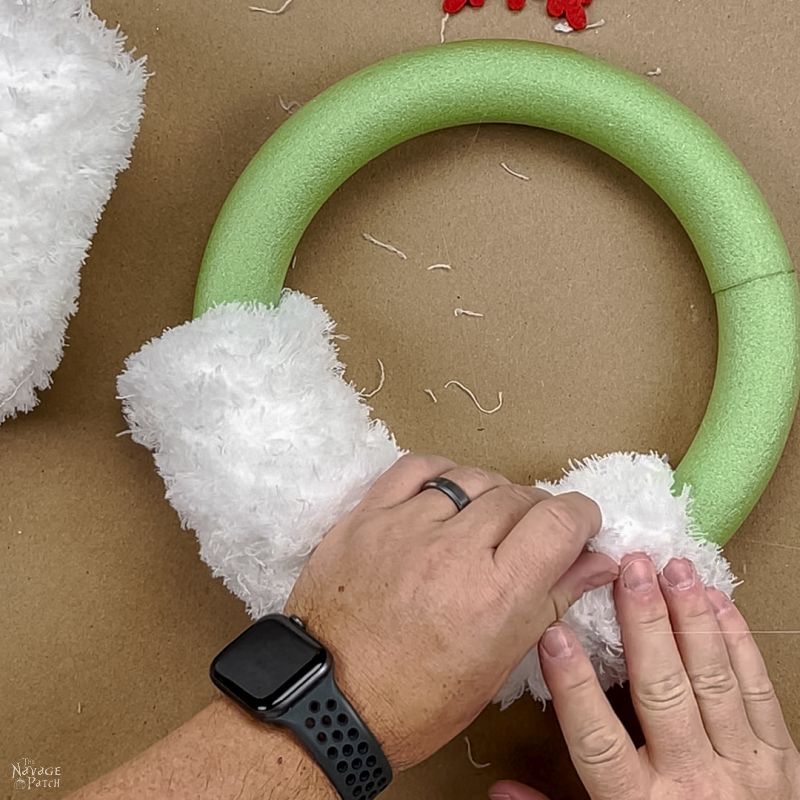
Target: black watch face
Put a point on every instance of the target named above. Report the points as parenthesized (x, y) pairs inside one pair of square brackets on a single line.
[(265, 667)]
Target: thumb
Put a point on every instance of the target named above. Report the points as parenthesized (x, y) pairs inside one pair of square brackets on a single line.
[(590, 571), (511, 790)]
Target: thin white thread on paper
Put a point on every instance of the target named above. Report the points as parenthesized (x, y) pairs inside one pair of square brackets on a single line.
[(476, 764), (289, 106), (390, 247), (475, 399), (565, 27), (514, 172), (280, 10), (380, 382)]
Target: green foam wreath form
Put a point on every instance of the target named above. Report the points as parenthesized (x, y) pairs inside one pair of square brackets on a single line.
[(752, 405)]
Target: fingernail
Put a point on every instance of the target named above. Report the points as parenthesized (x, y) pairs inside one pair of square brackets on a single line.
[(556, 642), (639, 575), (679, 574), (502, 796), (719, 601)]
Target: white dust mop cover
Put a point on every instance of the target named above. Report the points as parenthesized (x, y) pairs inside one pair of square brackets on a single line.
[(261, 443), (263, 446), (70, 103)]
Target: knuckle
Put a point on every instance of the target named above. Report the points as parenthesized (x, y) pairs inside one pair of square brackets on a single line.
[(477, 475), (513, 496), (716, 681), (652, 618), (562, 516), (761, 692), (663, 694), (527, 494), (580, 683), (600, 747), (508, 491), (425, 464), (696, 611)]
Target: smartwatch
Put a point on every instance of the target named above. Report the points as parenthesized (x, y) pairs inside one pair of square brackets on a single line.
[(283, 676)]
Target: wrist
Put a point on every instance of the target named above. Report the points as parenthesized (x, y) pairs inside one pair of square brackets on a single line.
[(272, 763), (355, 676), (375, 711)]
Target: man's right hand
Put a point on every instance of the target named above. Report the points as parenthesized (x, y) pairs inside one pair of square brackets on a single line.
[(712, 722), (427, 609)]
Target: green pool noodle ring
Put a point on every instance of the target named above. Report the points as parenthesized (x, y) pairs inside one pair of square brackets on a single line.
[(754, 397)]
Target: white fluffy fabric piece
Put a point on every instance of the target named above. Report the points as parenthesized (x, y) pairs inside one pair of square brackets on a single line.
[(263, 446), (640, 514), (261, 443), (70, 103)]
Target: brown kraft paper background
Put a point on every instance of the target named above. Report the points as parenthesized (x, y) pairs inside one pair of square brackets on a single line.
[(598, 328)]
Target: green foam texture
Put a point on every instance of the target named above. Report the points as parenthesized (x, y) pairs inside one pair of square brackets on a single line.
[(749, 270)]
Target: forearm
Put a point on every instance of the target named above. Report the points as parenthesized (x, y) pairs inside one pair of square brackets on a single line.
[(220, 753)]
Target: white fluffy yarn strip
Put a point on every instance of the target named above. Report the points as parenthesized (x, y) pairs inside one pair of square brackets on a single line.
[(261, 443), (263, 446), (640, 514), (70, 103)]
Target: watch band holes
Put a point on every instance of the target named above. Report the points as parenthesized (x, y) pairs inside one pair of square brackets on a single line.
[(359, 771)]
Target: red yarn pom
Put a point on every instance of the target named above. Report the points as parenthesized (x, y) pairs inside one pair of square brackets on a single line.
[(573, 10), (454, 6)]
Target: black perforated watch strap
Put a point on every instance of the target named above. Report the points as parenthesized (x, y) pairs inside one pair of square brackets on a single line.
[(340, 742)]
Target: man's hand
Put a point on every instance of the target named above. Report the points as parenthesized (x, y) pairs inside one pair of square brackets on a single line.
[(713, 725), (426, 609)]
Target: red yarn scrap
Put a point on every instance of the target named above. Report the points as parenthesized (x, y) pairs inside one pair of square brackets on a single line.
[(573, 10)]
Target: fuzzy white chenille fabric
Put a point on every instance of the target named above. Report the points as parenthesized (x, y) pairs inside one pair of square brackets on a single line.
[(640, 514), (70, 103), (263, 446), (261, 443)]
